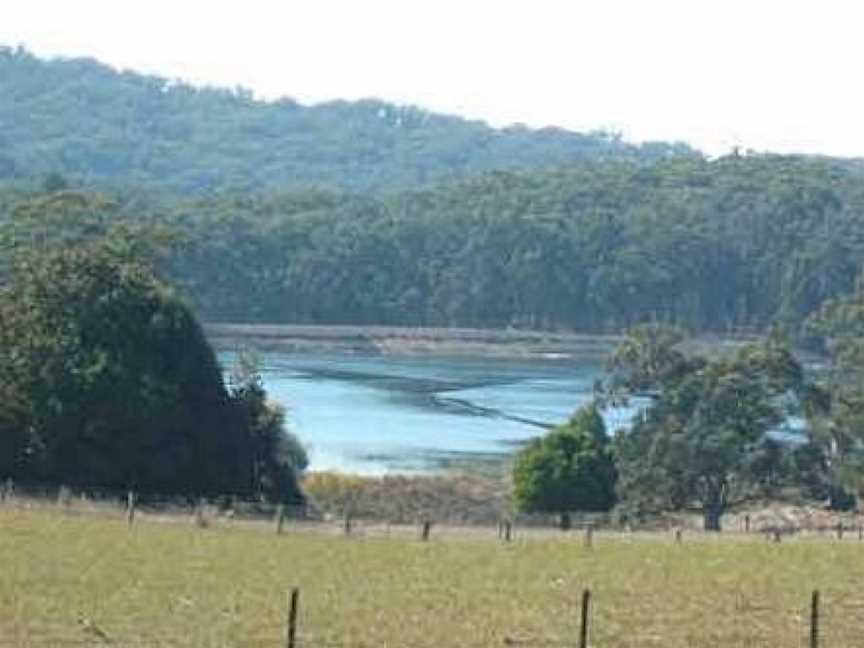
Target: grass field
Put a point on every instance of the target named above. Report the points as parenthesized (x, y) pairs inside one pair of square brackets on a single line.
[(71, 579)]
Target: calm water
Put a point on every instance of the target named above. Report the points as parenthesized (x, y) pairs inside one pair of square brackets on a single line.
[(376, 414)]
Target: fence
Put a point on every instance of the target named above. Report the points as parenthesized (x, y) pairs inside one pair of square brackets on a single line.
[(819, 626), (824, 619)]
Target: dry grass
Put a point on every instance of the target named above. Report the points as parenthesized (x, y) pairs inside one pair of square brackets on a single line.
[(453, 498), (72, 579)]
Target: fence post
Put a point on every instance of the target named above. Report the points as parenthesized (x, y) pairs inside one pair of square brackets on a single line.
[(747, 523), (425, 529), (346, 524), (200, 520), (840, 530), (589, 536), (280, 518), (508, 530), (814, 620), (130, 507), (292, 617), (585, 618)]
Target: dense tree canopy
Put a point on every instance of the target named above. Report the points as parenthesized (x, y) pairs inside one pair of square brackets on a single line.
[(114, 382), (737, 243), (106, 376), (87, 121)]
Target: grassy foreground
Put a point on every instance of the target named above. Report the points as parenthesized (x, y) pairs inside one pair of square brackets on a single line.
[(85, 580)]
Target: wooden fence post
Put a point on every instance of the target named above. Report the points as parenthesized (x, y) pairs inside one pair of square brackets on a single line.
[(814, 620), (840, 530), (346, 524), (200, 520), (279, 518), (292, 617), (130, 507), (747, 523), (508, 530), (63, 496), (585, 618), (425, 529)]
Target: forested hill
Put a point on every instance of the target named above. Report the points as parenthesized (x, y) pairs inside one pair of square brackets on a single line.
[(713, 245), (92, 123), (737, 242)]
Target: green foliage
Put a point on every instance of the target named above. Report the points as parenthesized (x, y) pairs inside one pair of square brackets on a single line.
[(835, 404), (713, 246), (570, 468), (725, 245), (83, 120), (278, 458), (702, 439), (117, 385), (105, 374)]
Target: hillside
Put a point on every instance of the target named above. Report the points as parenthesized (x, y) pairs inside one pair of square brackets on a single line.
[(95, 124), (738, 243)]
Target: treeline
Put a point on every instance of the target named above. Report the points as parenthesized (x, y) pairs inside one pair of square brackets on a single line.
[(742, 242), (96, 125), (737, 243), (711, 432)]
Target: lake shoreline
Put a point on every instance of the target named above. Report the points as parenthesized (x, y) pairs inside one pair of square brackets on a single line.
[(387, 340)]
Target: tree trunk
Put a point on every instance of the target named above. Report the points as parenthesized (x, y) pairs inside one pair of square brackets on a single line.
[(712, 511), (565, 523), (714, 499)]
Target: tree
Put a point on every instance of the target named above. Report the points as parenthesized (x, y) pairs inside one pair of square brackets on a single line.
[(834, 405), (702, 439), (116, 384), (570, 468), (106, 377), (278, 458)]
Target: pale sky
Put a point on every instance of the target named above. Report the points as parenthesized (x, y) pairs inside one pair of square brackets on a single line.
[(772, 75)]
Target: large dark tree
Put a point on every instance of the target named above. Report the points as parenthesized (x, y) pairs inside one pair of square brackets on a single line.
[(106, 377), (114, 382)]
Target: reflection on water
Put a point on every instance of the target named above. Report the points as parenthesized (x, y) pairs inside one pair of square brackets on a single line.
[(376, 414)]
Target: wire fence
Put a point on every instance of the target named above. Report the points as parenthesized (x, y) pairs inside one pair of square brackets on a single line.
[(826, 619), (819, 622)]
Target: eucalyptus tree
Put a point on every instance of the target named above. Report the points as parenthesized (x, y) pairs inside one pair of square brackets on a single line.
[(703, 437)]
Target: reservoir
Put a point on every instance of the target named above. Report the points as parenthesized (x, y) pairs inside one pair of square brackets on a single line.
[(381, 413)]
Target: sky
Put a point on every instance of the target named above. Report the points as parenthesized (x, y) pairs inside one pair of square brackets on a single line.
[(766, 75)]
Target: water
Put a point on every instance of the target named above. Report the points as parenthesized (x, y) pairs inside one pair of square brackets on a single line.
[(376, 414)]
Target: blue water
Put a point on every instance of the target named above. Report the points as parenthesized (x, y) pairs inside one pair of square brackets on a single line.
[(381, 414)]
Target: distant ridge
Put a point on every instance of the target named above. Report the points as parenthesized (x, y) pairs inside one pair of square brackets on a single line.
[(92, 123)]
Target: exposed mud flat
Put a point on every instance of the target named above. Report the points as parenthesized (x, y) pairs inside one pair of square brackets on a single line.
[(411, 340)]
